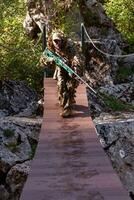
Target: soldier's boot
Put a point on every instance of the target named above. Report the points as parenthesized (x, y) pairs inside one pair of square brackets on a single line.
[(60, 102), (68, 112)]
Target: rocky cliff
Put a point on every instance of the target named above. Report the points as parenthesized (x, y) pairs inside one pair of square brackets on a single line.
[(116, 134), (19, 132)]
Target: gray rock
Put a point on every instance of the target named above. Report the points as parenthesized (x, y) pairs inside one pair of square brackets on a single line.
[(124, 92), (16, 97), (7, 159), (127, 62), (14, 142), (30, 126), (3, 113), (17, 137), (4, 195), (96, 104), (16, 178), (116, 134)]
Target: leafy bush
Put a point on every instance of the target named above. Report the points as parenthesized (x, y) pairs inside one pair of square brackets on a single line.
[(122, 13), (116, 104), (19, 58), (124, 73)]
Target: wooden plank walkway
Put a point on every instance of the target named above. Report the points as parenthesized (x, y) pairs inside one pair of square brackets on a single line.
[(70, 163)]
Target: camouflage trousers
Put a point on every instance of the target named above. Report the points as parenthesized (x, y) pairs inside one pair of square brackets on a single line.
[(66, 88)]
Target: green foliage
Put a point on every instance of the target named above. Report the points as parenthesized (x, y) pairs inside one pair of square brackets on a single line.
[(19, 60), (122, 13), (116, 104), (33, 143), (8, 133), (33, 150), (12, 147), (68, 22), (124, 73)]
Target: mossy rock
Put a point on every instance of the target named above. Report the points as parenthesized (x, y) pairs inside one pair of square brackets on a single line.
[(8, 133), (116, 104)]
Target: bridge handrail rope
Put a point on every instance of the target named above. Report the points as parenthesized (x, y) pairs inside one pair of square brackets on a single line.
[(104, 53), (83, 28)]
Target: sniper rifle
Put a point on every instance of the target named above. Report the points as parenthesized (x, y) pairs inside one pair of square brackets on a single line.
[(61, 62)]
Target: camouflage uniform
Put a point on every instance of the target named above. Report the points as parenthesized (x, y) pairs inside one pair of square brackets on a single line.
[(66, 84)]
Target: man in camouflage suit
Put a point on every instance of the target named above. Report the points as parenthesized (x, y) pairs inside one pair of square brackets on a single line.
[(67, 85)]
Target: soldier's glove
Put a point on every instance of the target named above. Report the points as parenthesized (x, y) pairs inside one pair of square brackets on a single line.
[(45, 62), (51, 61), (42, 61)]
